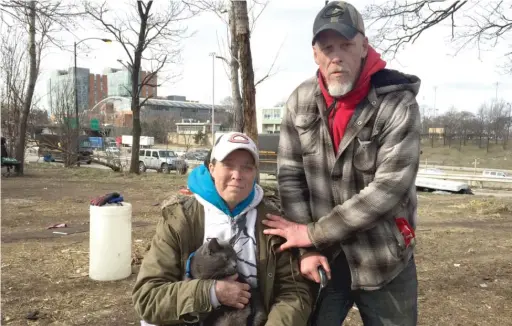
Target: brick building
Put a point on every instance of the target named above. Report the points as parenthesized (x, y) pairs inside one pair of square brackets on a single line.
[(98, 88), (92, 88)]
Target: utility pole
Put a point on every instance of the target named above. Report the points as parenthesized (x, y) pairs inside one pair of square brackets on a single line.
[(213, 55), (76, 110), (435, 101)]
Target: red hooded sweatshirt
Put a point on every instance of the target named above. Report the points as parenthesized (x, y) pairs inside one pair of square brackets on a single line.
[(345, 106)]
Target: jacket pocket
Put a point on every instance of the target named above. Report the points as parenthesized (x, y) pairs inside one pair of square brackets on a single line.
[(365, 152), (397, 243), (308, 127)]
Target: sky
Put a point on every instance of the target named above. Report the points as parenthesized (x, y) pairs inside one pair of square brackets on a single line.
[(464, 81)]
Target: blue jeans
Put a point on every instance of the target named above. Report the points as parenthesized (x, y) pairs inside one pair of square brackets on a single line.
[(394, 304)]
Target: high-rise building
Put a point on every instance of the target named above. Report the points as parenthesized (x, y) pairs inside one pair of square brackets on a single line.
[(61, 90), (98, 89), (150, 87), (92, 88), (120, 83)]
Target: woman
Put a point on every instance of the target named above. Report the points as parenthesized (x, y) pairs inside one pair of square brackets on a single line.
[(226, 203)]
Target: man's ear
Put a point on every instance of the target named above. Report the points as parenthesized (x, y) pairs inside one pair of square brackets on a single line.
[(365, 47), (211, 167), (315, 53)]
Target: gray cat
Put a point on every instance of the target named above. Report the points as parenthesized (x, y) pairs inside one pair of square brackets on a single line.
[(214, 260)]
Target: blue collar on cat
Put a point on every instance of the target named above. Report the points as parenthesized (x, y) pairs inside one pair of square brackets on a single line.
[(188, 274)]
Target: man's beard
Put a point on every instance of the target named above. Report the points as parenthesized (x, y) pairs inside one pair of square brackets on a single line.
[(340, 89)]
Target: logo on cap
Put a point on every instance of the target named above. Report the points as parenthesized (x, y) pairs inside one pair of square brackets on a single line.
[(334, 10), (239, 139)]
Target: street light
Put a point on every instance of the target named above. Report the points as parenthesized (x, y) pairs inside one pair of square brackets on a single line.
[(106, 40), (214, 56)]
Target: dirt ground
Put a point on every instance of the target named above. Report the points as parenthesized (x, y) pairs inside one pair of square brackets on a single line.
[(463, 255)]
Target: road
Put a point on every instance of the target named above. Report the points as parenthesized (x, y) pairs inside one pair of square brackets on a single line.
[(265, 178)]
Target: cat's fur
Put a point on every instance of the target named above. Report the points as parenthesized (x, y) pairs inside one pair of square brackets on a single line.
[(218, 260)]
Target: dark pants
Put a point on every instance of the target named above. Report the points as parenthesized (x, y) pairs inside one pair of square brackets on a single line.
[(392, 305)]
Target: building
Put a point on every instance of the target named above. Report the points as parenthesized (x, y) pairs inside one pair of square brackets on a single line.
[(269, 120), (436, 131), (61, 90), (116, 111), (193, 127), (120, 83), (92, 88), (98, 88)]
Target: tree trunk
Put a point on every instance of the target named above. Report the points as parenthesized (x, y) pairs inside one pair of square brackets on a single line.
[(32, 78), (247, 72), (137, 129), (238, 116)]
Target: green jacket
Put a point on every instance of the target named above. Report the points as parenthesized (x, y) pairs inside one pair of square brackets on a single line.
[(162, 297)]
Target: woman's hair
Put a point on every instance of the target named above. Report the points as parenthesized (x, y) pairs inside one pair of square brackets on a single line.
[(208, 158)]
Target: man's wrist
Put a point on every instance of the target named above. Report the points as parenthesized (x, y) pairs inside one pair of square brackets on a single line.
[(213, 296), (303, 251)]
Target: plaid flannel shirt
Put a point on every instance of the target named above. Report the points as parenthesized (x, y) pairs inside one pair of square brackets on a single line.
[(350, 200)]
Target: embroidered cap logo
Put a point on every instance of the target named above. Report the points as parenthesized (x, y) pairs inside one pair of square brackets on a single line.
[(334, 12), (239, 139)]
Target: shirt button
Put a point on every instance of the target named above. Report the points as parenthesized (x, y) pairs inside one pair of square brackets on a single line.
[(359, 123), (270, 275), (374, 102)]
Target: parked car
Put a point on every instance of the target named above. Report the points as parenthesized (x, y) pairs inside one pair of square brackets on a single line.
[(113, 150), (495, 174), (161, 160), (195, 156), (431, 171)]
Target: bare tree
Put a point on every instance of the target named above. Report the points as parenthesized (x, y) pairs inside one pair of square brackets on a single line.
[(189, 139), (498, 119), (247, 71), (508, 125), (41, 20), (146, 33), (13, 76), (480, 24), (450, 120), (482, 122), (228, 103), (64, 111), (467, 122), (226, 11)]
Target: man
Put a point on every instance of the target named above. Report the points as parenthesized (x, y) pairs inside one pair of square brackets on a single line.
[(226, 204), (347, 163)]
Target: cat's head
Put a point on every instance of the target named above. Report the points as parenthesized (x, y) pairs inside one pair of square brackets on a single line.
[(214, 260)]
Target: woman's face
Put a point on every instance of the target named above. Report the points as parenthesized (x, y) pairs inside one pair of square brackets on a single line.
[(234, 176)]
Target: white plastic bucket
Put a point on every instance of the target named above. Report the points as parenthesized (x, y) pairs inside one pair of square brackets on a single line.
[(110, 242)]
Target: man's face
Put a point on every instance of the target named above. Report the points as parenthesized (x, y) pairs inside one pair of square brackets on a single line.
[(234, 177), (339, 60)]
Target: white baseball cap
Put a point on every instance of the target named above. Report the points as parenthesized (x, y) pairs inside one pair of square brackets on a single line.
[(232, 141)]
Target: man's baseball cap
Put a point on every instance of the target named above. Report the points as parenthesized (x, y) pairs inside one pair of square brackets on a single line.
[(341, 17), (230, 142)]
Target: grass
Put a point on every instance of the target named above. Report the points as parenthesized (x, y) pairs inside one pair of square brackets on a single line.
[(463, 242), (496, 158)]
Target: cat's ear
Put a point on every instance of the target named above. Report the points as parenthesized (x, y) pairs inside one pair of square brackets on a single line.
[(214, 246)]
